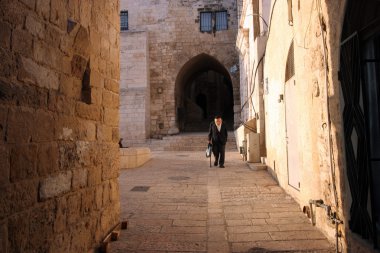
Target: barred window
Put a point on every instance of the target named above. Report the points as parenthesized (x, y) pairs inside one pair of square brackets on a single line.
[(123, 20), (206, 21), (221, 20)]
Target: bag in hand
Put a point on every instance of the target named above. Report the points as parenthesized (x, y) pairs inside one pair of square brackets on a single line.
[(209, 150)]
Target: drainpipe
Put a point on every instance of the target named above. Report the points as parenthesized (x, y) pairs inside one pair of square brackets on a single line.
[(332, 216)]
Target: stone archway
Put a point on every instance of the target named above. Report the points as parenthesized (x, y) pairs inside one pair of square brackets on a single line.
[(203, 88)]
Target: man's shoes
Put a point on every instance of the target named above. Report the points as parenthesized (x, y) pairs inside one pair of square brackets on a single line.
[(221, 166), (215, 163)]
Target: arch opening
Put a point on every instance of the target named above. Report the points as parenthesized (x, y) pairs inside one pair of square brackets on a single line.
[(203, 89)]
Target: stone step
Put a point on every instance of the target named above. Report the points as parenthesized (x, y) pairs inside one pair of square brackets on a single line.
[(186, 142)]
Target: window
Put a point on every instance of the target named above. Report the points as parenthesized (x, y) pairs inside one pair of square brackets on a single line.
[(123, 20), (213, 21), (221, 20), (206, 21)]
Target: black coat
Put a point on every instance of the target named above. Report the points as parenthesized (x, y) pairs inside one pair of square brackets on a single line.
[(216, 136)]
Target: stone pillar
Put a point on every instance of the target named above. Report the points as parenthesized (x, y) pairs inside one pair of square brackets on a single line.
[(59, 158)]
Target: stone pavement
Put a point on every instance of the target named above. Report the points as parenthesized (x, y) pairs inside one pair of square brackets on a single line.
[(190, 207)]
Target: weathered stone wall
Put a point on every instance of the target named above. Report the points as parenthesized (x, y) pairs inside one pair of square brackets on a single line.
[(174, 38), (312, 91), (134, 88), (59, 158)]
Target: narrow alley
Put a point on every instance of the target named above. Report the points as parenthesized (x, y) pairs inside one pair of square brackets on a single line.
[(177, 203)]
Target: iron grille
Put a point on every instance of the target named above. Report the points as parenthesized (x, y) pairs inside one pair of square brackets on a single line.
[(354, 124), (123, 20)]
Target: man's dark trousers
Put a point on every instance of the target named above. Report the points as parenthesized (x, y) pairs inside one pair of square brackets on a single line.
[(219, 150)]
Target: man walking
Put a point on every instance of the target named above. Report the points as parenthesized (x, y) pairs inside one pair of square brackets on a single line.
[(217, 136)]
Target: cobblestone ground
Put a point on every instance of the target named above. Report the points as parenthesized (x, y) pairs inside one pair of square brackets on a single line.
[(190, 207)]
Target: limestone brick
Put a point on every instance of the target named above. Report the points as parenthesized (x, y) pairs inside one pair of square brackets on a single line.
[(5, 35), (22, 42), (57, 16), (79, 178), (34, 26), (23, 162), (5, 165), (86, 111), (55, 185), (43, 8), (47, 158)]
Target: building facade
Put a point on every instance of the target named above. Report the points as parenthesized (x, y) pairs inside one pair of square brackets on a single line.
[(320, 93), (179, 67)]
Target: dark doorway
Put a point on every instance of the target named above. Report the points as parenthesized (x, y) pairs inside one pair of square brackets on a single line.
[(360, 80), (203, 89)]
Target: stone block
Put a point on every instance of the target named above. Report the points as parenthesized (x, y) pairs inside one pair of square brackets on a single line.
[(35, 26), (60, 215), (18, 227), (94, 176), (82, 42), (104, 133), (78, 66), (47, 55), (115, 135), (4, 237), (47, 159), (88, 200), (111, 85), (54, 186), (43, 8), (110, 99), (96, 96), (22, 42), (41, 227), (39, 75), (133, 157), (87, 131), (85, 13), (111, 117), (5, 35), (8, 67), (79, 178), (30, 3), (57, 15), (96, 79), (91, 112), (73, 210), (23, 160), (5, 165), (44, 129)]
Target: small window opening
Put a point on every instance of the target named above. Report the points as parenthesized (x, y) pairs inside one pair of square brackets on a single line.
[(206, 21), (86, 88), (123, 20), (221, 20), (289, 72)]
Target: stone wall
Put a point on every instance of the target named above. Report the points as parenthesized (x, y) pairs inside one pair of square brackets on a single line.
[(317, 99), (174, 35), (134, 88), (59, 155)]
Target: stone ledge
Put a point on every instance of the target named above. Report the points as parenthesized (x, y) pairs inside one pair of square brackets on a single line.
[(133, 157)]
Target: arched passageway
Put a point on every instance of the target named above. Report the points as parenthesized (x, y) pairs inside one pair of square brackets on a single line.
[(203, 89)]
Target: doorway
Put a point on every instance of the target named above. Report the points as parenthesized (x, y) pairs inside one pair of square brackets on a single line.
[(203, 90)]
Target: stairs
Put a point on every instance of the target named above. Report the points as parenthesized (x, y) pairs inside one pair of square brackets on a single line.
[(187, 142)]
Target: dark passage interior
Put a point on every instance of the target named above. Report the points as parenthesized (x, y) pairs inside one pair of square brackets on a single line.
[(203, 89)]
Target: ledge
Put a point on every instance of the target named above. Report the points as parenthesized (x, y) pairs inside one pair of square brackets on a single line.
[(133, 157)]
